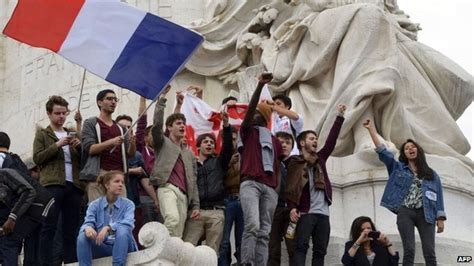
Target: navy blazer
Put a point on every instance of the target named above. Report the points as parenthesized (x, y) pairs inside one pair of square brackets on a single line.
[(382, 256)]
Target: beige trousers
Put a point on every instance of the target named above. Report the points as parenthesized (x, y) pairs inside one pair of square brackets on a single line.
[(209, 224), (93, 191), (173, 208)]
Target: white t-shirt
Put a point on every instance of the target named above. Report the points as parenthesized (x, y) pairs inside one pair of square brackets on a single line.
[(2, 158), (284, 124), (67, 156)]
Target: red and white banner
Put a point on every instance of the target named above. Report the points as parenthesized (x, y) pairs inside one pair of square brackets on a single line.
[(202, 118)]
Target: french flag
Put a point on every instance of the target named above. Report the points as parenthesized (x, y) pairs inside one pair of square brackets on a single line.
[(131, 48)]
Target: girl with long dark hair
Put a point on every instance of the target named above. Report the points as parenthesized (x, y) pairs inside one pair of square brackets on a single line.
[(366, 248), (413, 192)]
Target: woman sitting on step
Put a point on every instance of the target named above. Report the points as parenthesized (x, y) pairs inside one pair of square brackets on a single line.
[(107, 228)]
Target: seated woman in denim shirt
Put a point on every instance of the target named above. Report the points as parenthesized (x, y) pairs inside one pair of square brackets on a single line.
[(413, 192), (367, 249), (107, 228)]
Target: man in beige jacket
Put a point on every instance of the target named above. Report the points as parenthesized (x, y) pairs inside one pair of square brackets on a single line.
[(174, 171)]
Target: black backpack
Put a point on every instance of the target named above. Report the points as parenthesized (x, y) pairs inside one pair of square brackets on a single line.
[(43, 197)]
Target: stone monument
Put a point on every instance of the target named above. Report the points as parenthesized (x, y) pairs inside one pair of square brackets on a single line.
[(164, 250), (362, 53)]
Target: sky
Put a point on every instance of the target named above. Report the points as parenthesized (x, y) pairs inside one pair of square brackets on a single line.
[(448, 26)]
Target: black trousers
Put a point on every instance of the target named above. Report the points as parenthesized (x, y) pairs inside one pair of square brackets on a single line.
[(317, 227), (11, 244), (68, 201), (281, 219), (407, 220)]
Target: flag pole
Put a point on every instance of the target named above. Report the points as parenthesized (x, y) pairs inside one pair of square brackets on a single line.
[(146, 109), (82, 88), (140, 115), (144, 112)]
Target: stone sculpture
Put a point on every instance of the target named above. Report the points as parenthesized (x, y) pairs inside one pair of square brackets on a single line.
[(324, 52), (161, 249)]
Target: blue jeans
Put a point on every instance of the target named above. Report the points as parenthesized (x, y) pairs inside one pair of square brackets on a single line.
[(233, 214), (10, 245), (258, 205), (87, 249)]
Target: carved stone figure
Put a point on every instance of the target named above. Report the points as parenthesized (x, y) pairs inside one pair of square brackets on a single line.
[(161, 249), (324, 52)]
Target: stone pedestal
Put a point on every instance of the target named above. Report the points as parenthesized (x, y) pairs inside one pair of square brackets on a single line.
[(358, 184), (161, 249), (28, 76)]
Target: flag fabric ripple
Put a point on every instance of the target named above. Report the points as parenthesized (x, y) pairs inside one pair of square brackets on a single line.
[(131, 48)]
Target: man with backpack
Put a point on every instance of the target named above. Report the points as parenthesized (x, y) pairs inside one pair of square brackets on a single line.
[(24, 206)]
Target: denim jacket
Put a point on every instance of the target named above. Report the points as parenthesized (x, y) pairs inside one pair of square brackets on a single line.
[(122, 215), (398, 185)]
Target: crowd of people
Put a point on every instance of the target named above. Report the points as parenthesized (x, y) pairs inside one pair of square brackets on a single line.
[(89, 189)]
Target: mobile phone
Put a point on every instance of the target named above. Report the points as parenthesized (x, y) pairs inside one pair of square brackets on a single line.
[(71, 134), (374, 234)]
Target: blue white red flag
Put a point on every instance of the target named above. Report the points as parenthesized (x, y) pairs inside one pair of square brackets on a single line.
[(128, 47)]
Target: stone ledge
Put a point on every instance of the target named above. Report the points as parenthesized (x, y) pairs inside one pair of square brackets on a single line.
[(161, 249)]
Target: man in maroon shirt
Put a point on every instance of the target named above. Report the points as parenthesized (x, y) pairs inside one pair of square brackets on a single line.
[(260, 168), (174, 170), (144, 142), (105, 148), (309, 192)]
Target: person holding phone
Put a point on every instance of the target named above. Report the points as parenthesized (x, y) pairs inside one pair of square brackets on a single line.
[(368, 246), (56, 150)]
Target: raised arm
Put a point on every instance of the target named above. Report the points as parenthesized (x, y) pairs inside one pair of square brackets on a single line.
[(331, 140), (227, 147), (384, 155), (196, 90), (141, 125), (158, 120), (179, 102), (373, 133), (285, 112), (262, 80)]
